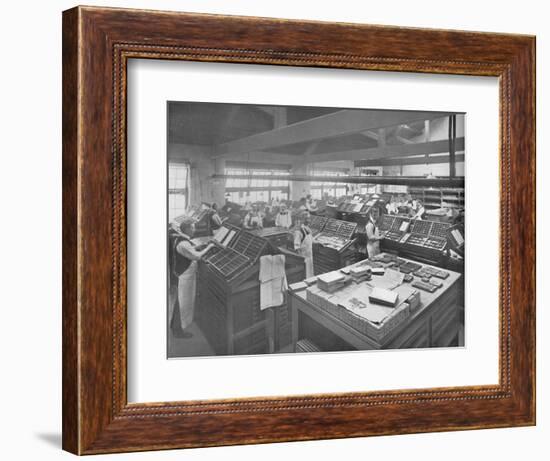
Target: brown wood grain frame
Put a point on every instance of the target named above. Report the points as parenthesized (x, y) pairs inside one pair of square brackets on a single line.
[(97, 44)]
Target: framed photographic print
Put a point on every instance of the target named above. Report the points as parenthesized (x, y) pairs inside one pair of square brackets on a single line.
[(280, 230)]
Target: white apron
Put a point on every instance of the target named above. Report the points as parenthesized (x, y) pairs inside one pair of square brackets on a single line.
[(187, 284), (373, 246), (306, 251)]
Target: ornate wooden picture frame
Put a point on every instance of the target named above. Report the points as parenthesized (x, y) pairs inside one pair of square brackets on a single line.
[(97, 44)]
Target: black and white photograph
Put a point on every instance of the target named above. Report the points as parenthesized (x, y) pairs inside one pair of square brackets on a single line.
[(295, 229)]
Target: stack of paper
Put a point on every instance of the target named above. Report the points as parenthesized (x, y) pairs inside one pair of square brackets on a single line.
[(331, 281), (297, 286), (390, 279), (384, 297), (360, 273)]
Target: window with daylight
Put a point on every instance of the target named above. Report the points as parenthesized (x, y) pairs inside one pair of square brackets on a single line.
[(368, 189), (333, 189), (178, 189), (264, 189)]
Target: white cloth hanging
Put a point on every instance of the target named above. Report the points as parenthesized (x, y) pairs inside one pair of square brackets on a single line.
[(273, 282)]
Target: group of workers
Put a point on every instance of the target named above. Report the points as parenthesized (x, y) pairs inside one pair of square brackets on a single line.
[(185, 254), (402, 203), (276, 213)]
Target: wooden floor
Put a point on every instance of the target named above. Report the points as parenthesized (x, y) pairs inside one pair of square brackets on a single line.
[(196, 346)]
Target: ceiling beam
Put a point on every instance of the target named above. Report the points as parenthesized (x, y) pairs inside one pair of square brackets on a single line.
[(427, 129), (381, 137), (403, 140), (308, 154), (279, 117), (376, 155), (395, 180), (370, 134), (277, 113), (408, 161), (401, 150), (229, 119), (338, 123), (266, 109), (270, 157)]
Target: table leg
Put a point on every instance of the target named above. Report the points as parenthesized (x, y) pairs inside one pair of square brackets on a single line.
[(295, 326)]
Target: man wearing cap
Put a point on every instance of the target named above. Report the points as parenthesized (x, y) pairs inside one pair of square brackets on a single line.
[(184, 270)]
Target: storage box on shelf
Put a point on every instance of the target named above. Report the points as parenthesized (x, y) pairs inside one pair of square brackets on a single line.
[(452, 198), (446, 197), (432, 198)]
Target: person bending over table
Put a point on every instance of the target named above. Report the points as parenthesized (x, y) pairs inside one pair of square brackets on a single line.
[(184, 270)]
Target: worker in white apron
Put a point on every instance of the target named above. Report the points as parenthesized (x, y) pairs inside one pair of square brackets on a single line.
[(303, 243), (186, 272), (254, 219), (283, 218), (373, 233)]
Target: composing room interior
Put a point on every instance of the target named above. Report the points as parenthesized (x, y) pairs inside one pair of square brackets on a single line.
[(312, 229)]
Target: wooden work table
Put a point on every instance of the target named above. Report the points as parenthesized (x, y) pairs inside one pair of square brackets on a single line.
[(435, 323)]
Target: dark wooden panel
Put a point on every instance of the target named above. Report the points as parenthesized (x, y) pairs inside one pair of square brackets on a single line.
[(71, 390), (522, 248), (305, 38)]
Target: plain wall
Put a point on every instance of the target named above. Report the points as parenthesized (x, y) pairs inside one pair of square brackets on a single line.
[(30, 191)]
